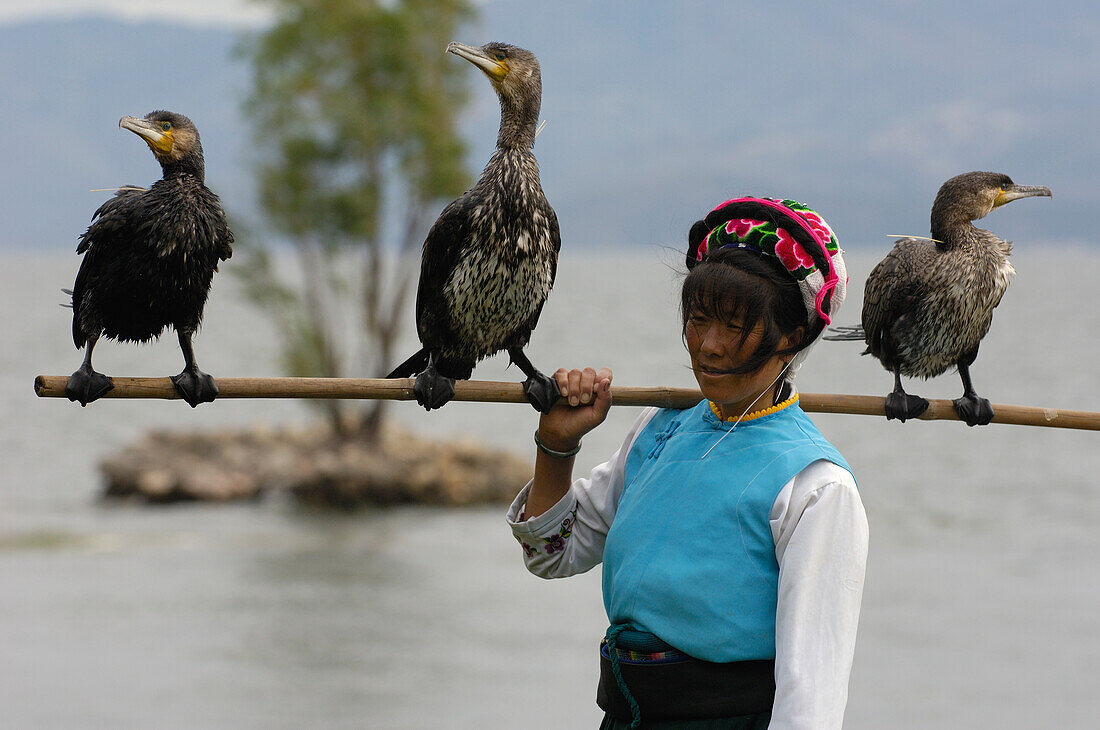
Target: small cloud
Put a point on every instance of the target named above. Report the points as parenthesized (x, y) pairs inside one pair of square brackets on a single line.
[(945, 132)]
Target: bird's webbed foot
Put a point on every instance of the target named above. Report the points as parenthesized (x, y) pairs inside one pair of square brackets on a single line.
[(901, 406), (972, 410), (541, 391), (195, 386), (433, 390), (86, 385)]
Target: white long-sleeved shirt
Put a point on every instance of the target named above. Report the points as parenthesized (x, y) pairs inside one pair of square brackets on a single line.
[(820, 531)]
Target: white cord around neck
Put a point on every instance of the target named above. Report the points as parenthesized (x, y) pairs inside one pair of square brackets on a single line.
[(745, 412)]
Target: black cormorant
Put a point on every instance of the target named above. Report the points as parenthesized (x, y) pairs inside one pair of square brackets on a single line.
[(490, 259), (928, 304), (149, 256)]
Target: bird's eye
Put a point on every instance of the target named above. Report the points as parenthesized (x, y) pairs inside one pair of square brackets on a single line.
[(165, 126), (500, 55)]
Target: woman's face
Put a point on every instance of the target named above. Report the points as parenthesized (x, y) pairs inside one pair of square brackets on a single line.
[(715, 346)]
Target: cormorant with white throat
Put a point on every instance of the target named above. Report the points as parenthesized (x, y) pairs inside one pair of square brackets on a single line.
[(490, 259), (929, 303)]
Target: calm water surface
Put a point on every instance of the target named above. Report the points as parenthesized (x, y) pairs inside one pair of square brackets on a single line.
[(981, 609)]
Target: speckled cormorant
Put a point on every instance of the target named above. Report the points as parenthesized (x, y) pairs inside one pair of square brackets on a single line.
[(149, 256), (490, 259), (928, 304)]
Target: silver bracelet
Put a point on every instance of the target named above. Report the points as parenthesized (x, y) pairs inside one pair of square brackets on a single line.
[(556, 454)]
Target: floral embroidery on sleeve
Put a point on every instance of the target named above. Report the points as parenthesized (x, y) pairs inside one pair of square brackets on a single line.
[(556, 543)]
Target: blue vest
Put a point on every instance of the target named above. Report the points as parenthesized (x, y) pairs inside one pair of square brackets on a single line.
[(690, 555)]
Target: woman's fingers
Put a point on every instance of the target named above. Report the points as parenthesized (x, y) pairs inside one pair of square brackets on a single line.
[(561, 377), (574, 387), (603, 394), (586, 399), (592, 382), (588, 386), (579, 387)]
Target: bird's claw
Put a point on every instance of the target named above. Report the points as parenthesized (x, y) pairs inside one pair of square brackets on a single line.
[(86, 385), (195, 386), (541, 391), (902, 406), (433, 390), (973, 411)]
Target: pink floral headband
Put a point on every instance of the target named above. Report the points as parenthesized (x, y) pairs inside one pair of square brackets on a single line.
[(791, 232)]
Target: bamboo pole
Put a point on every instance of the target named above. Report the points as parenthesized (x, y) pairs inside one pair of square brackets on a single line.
[(484, 391)]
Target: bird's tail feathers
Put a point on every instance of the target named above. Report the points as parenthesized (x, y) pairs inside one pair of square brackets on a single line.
[(69, 294), (413, 366), (848, 333)]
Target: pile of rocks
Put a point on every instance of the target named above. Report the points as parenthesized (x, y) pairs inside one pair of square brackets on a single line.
[(314, 467)]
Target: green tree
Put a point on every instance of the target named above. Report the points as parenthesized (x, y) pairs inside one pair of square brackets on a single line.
[(355, 106)]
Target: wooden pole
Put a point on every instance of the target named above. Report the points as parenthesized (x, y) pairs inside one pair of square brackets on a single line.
[(484, 391)]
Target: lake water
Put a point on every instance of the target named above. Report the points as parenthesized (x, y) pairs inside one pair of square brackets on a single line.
[(982, 601)]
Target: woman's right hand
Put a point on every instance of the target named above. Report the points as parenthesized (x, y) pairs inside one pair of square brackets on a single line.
[(585, 401)]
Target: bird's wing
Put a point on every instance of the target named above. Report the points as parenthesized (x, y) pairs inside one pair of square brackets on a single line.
[(111, 230), (225, 238), (892, 290), (446, 239), (555, 238), (110, 219), (221, 235)]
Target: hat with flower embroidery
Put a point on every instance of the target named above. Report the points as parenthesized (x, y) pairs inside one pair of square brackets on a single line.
[(792, 233)]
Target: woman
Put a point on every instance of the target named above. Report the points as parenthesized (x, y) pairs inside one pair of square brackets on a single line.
[(732, 537)]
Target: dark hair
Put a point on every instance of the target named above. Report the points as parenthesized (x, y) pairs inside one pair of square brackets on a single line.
[(739, 283)]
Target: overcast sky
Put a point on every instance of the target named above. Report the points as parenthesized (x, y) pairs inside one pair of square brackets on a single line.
[(655, 109), (235, 13)]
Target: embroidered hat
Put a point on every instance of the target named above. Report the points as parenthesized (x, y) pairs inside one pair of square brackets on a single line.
[(792, 233)]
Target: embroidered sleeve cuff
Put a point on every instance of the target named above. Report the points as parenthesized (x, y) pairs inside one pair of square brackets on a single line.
[(545, 524), (546, 534)]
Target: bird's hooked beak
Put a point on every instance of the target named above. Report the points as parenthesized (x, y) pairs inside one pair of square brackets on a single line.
[(495, 69), (160, 140), (1015, 192)]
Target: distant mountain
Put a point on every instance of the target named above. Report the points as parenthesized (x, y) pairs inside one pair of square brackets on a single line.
[(656, 112)]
